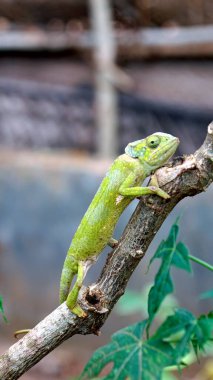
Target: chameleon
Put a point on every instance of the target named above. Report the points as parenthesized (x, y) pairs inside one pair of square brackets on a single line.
[(119, 187)]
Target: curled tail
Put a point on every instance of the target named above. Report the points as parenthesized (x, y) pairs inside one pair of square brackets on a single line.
[(69, 270)]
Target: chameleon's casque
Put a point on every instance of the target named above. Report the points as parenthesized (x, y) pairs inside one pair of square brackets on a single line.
[(120, 186)]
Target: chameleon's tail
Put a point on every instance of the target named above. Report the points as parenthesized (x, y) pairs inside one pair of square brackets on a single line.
[(69, 270)]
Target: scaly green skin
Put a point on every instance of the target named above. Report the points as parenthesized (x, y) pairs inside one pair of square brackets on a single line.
[(120, 186)]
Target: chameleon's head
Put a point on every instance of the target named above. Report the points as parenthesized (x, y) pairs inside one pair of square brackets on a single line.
[(155, 150)]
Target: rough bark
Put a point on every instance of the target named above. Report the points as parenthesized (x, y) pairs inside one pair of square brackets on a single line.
[(184, 176)]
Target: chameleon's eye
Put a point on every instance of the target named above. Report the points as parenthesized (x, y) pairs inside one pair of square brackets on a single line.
[(153, 141)]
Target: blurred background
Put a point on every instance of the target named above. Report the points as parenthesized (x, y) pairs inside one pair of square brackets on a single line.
[(79, 80)]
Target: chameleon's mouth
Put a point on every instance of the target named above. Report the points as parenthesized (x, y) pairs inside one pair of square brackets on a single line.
[(164, 153), (170, 148)]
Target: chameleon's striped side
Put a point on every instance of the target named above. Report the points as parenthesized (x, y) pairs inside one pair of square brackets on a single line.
[(99, 221)]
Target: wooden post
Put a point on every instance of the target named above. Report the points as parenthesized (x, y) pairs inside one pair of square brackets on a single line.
[(106, 97)]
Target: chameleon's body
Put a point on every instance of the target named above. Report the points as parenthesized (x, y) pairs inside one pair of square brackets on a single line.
[(119, 187)]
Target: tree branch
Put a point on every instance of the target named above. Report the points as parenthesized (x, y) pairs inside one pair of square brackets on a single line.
[(184, 176)]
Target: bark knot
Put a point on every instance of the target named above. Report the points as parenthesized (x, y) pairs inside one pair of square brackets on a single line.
[(95, 299)]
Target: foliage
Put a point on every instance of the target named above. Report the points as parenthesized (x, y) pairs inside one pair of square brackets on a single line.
[(133, 302), (137, 355), (136, 302), (133, 356), (208, 294), (2, 309), (171, 253)]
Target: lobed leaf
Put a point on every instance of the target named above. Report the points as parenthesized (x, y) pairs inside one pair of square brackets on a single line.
[(162, 287), (174, 324), (125, 351), (134, 358), (171, 253), (203, 332), (180, 258)]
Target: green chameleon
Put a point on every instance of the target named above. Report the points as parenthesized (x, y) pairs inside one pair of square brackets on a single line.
[(120, 186)]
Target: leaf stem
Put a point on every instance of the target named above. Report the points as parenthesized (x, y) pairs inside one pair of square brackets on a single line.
[(201, 262)]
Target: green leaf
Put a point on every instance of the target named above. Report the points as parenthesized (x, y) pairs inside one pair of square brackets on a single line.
[(166, 245), (203, 332), (171, 253), (133, 358), (208, 294), (176, 323), (181, 257), (168, 376), (177, 330), (183, 329), (136, 302), (2, 309), (157, 355), (161, 288), (132, 302), (125, 351)]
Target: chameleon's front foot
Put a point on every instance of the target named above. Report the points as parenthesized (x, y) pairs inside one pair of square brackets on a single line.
[(159, 192), (154, 186)]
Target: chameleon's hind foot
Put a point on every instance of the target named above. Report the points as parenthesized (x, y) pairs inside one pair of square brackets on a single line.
[(73, 295), (74, 307), (79, 311)]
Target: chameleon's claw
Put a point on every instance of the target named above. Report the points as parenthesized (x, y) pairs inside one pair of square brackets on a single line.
[(164, 195), (154, 184), (158, 191), (112, 243), (79, 312), (19, 332)]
